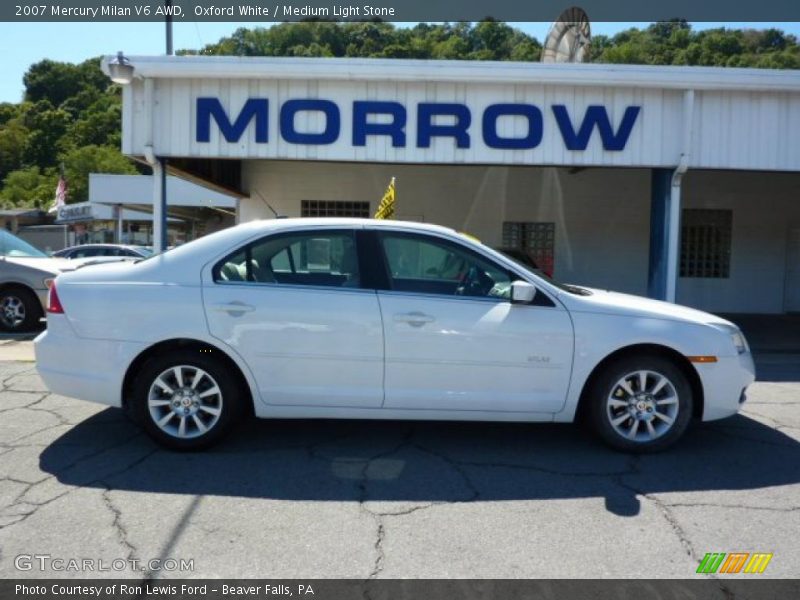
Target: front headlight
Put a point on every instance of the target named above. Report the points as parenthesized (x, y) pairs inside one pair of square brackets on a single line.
[(737, 337), (739, 342)]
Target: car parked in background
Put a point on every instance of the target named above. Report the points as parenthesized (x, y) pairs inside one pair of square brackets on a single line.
[(97, 250), (24, 275)]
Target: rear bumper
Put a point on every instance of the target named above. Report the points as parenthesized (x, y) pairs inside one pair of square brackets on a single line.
[(42, 295), (725, 383), (80, 368)]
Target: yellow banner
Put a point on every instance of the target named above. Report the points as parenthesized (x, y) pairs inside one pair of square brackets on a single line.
[(386, 206)]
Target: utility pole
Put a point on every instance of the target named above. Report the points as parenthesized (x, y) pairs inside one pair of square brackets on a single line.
[(163, 212)]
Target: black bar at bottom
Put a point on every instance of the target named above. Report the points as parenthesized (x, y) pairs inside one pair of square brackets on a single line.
[(751, 588)]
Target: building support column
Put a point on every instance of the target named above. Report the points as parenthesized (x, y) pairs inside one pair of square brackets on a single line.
[(158, 207), (674, 235), (162, 203), (665, 215), (660, 232), (118, 217)]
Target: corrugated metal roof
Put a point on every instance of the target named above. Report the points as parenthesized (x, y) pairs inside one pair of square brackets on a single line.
[(454, 71)]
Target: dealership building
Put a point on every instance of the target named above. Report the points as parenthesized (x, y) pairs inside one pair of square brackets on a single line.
[(681, 183)]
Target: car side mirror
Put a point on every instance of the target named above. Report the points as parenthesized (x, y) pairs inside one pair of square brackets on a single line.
[(522, 292)]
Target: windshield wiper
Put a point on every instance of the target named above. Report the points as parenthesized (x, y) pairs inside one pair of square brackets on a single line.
[(574, 289)]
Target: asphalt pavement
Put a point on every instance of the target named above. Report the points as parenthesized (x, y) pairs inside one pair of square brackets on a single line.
[(316, 499)]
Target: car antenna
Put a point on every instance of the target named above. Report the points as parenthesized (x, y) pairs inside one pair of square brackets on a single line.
[(269, 206)]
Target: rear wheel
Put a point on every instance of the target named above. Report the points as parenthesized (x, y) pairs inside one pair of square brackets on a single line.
[(186, 401), (20, 310), (641, 404)]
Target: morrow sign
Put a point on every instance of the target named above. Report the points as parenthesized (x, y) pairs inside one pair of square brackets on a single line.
[(388, 119)]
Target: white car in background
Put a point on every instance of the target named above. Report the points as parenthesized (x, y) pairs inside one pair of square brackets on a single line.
[(348, 318)]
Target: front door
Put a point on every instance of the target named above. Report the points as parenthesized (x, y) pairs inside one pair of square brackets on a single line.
[(292, 306), (453, 339)]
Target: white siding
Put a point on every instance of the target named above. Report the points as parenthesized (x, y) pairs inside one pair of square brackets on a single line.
[(746, 130), (766, 206), (733, 129)]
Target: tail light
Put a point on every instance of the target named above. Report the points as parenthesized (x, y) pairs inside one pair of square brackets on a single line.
[(53, 302)]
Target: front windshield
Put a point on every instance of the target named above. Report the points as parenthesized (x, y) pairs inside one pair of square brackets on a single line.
[(12, 246), (572, 289)]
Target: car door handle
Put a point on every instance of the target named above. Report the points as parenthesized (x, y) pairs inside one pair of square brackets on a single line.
[(234, 307), (415, 319)]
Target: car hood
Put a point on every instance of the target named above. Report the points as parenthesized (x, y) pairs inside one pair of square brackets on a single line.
[(608, 302)]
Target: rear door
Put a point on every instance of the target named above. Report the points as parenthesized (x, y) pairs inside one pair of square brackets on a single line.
[(453, 339), (293, 306)]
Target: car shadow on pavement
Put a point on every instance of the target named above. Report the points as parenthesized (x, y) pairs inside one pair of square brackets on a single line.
[(422, 462)]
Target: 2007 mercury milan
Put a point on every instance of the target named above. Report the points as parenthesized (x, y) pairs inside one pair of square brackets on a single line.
[(348, 318)]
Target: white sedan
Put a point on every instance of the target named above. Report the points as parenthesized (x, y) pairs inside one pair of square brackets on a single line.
[(348, 318)]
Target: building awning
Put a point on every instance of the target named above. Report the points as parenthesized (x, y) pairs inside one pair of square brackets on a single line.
[(83, 212)]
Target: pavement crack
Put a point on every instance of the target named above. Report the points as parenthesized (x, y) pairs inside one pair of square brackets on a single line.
[(380, 554), (18, 501), (663, 508), (732, 506), (119, 527), (378, 517)]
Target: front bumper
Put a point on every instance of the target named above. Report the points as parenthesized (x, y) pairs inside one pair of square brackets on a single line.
[(725, 383)]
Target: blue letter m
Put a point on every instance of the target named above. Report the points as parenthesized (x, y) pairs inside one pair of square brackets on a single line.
[(211, 107), (595, 115)]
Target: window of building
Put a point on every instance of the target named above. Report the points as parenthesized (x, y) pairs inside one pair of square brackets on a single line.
[(334, 208), (706, 243), (536, 239)]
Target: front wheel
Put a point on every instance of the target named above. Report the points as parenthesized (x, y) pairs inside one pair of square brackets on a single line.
[(186, 401), (641, 404)]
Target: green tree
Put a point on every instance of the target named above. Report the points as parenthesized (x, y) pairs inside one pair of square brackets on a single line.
[(47, 126), (57, 81), (13, 140), (99, 124), (29, 187), (79, 162)]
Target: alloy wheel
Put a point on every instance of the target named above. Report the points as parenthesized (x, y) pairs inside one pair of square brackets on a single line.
[(642, 406), (12, 312), (185, 402)]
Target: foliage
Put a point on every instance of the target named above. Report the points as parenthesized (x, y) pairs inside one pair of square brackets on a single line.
[(674, 43), (487, 40), (29, 187), (70, 115), (81, 161)]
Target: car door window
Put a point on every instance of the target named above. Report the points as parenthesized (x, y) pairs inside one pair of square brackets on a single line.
[(316, 258), (432, 266)]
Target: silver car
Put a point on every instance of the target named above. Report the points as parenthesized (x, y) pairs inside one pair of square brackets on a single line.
[(25, 273)]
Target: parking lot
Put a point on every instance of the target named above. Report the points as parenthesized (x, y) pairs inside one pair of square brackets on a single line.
[(310, 499)]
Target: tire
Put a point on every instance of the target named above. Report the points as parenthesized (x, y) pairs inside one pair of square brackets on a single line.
[(662, 408), (202, 416), (20, 310)]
